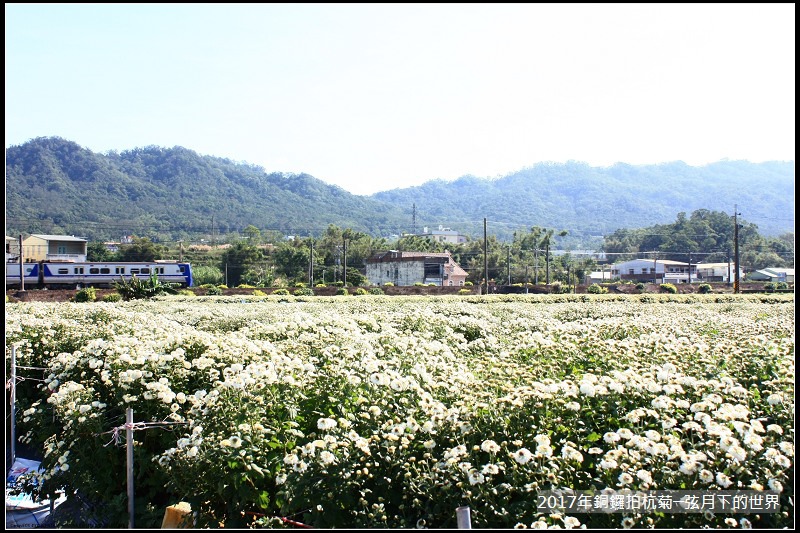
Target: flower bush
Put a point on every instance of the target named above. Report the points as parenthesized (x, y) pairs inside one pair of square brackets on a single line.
[(394, 411)]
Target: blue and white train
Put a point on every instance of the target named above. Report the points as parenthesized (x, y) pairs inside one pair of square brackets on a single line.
[(63, 275)]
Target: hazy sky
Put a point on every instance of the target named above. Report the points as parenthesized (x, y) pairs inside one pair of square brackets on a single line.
[(373, 97)]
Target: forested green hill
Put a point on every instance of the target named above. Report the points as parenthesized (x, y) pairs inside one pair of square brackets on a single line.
[(589, 200), (56, 186)]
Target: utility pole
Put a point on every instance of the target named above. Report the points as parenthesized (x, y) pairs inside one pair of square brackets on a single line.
[(344, 270), (485, 260), (21, 269), (547, 260), (311, 266), (508, 266), (690, 268), (736, 249), (655, 268), (536, 266), (729, 269), (414, 219), (526, 278)]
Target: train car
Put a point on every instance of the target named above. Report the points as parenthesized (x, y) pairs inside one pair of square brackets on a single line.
[(49, 274), (31, 274)]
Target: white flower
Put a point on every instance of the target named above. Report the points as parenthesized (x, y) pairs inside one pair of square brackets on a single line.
[(775, 485), (706, 476), (490, 446), (522, 456), (689, 466), (571, 522), (326, 423), (625, 479), (625, 433), (327, 457), (490, 469), (774, 399), (644, 476), (429, 444), (571, 454), (723, 480), (475, 477), (737, 453), (608, 464)]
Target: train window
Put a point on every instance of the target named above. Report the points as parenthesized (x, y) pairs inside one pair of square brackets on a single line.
[(134, 271), (63, 271), (79, 270), (183, 269), (160, 270), (145, 270), (119, 270), (105, 270), (94, 270)]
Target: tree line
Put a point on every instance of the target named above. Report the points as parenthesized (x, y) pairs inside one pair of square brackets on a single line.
[(268, 259)]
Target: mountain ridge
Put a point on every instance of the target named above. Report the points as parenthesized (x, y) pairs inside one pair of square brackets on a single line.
[(56, 186)]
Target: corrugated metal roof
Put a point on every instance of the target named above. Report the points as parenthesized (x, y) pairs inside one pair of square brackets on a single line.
[(58, 237)]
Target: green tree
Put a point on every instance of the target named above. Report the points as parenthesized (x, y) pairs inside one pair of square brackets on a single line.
[(237, 259), (207, 275), (97, 251), (141, 249), (253, 234)]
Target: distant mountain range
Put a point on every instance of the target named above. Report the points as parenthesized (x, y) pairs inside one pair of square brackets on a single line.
[(56, 186)]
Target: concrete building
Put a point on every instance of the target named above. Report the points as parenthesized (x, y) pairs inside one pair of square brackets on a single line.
[(444, 234), (775, 275), (667, 271), (408, 268), (54, 248), (719, 272)]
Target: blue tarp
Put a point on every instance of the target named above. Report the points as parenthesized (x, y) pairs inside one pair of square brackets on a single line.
[(22, 511)]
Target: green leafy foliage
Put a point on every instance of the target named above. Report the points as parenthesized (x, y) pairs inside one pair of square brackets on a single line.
[(137, 288), (668, 287), (88, 294)]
